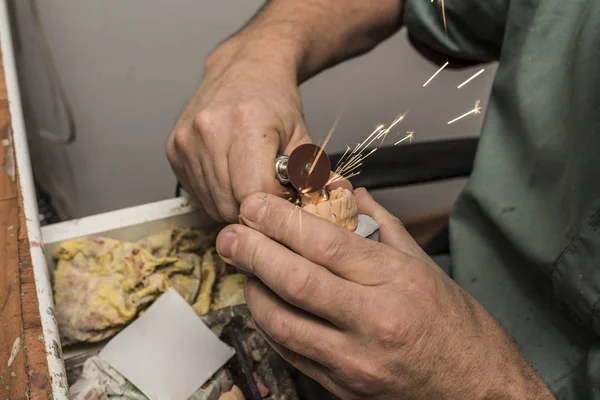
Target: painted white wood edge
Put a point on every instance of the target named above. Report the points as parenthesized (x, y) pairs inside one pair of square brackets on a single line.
[(117, 219), (51, 339)]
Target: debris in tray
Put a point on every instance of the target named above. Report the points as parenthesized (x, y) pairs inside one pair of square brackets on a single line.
[(102, 284), (99, 380), (224, 278), (234, 394)]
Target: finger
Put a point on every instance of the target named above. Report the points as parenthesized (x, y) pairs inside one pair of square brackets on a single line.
[(252, 164), (188, 169), (293, 278), (391, 229), (178, 170), (211, 157), (199, 188), (306, 366), (293, 328), (342, 252), (219, 186)]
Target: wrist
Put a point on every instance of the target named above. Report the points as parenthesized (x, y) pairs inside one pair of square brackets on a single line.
[(262, 50), (503, 371), (511, 376)]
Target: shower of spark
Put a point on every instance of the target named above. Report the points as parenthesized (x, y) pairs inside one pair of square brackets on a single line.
[(471, 78), (435, 74), (409, 137), (475, 110), (352, 160)]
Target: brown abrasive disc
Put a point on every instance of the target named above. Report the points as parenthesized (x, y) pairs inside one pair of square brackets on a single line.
[(299, 168)]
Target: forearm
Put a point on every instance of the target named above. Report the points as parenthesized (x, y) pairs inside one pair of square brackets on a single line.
[(501, 372), (306, 37)]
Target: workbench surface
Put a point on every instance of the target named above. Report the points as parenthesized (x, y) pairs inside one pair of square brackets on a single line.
[(20, 324)]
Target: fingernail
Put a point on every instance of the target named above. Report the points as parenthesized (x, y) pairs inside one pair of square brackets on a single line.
[(227, 244), (254, 209)]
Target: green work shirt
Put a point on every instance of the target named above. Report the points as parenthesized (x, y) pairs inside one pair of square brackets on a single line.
[(525, 233)]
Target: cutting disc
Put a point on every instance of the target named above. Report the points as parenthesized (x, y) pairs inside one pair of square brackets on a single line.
[(299, 168)]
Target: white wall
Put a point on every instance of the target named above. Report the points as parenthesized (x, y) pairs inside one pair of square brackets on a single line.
[(130, 66)]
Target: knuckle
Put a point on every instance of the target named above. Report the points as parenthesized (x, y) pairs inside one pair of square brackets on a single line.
[(333, 249), (251, 253), (391, 223), (300, 282), (250, 289), (390, 333), (204, 123), (280, 327), (252, 250), (393, 220), (181, 140), (170, 149), (366, 377)]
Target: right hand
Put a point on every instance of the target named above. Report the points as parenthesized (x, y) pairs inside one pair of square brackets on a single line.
[(224, 145)]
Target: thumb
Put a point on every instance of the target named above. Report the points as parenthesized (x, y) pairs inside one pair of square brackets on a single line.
[(391, 229)]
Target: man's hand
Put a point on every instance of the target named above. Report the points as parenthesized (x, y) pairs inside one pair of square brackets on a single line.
[(224, 145), (369, 320)]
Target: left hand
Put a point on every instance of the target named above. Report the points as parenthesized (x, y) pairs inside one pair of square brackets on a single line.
[(368, 320)]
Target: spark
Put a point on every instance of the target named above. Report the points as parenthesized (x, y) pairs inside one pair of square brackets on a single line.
[(353, 168), (389, 128), (475, 110), (434, 75), (340, 178), (334, 178), (376, 134), (287, 223), (396, 121), (409, 137), (343, 156), (312, 167), (354, 159), (443, 14), (471, 78), (444, 17), (358, 149)]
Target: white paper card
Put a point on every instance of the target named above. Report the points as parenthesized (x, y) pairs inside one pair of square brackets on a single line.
[(168, 352), (366, 226)]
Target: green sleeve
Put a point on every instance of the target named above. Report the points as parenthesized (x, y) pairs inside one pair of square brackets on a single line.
[(475, 27)]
